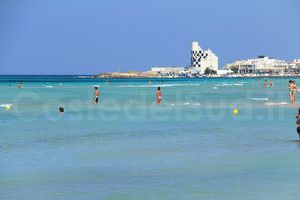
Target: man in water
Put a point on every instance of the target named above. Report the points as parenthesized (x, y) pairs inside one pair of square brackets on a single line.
[(298, 123), (158, 96), (96, 96)]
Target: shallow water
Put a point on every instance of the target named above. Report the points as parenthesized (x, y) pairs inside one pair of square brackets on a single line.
[(127, 147)]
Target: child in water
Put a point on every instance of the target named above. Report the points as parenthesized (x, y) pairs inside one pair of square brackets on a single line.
[(158, 96)]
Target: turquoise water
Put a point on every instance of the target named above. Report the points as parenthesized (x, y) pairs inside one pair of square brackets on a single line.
[(127, 147)]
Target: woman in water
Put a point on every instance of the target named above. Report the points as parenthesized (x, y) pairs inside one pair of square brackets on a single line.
[(158, 96), (292, 91), (298, 123), (265, 83)]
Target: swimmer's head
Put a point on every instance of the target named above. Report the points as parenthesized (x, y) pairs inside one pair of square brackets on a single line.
[(61, 109), (96, 88), (158, 88), (290, 81)]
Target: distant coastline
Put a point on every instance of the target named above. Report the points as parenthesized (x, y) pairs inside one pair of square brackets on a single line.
[(150, 74)]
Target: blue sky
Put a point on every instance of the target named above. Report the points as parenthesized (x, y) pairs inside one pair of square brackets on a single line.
[(92, 36)]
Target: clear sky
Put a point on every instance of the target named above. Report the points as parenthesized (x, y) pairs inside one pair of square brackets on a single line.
[(92, 36)]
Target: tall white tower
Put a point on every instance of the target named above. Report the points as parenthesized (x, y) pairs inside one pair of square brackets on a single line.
[(202, 59)]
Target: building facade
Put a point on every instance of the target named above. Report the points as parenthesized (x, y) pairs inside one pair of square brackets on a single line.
[(261, 65), (202, 59)]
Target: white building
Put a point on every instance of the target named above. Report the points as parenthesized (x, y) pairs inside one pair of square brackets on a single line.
[(202, 59), (260, 65), (296, 61)]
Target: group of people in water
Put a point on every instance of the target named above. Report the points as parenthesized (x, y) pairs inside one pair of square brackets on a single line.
[(266, 84), (292, 88), (158, 96)]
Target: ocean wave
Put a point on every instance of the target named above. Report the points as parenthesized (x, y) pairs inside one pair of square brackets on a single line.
[(260, 99), (229, 84), (276, 103), (154, 86), (48, 86), (215, 88), (186, 104)]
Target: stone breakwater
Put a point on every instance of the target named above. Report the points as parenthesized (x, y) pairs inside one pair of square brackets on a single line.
[(129, 74)]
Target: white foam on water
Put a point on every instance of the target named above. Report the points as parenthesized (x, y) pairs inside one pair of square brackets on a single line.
[(229, 84), (215, 88), (48, 86), (276, 104), (154, 86), (186, 103), (5, 105), (260, 99), (196, 104)]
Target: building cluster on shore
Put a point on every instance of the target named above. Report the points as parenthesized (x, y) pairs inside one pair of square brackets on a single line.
[(265, 66), (204, 63)]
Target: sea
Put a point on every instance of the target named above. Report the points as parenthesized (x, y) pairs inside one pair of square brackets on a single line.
[(191, 146)]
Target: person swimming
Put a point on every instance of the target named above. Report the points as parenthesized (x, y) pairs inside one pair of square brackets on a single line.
[(298, 123), (20, 85), (158, 96), (96, 96), (61, 110)]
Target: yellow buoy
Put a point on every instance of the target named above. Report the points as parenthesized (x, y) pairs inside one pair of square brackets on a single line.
[(235, 111), (8, 107)]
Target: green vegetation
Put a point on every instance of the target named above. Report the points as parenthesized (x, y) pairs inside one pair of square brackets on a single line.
[(209, 71)]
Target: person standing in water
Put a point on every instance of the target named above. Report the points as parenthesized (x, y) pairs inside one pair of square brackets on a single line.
[(96, 96), (265, 83), (271, 84), (158, 96), (292, 91), (298, 123)]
